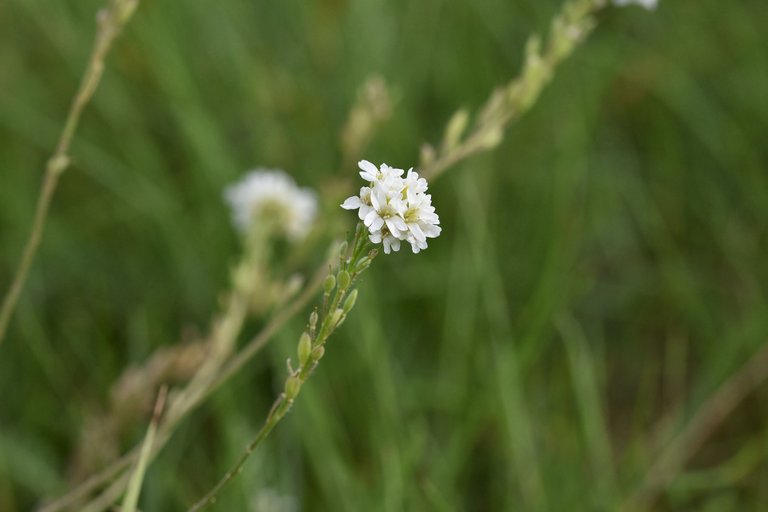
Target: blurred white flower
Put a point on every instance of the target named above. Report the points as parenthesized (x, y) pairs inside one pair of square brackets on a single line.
[(394, 208), (269, 500), (270, 195), (648, 4)]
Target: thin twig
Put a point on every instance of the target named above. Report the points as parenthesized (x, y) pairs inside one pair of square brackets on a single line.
[(569, 28), (279, 409), (701, 426), (310, 355), (131, 499), (111, 21)]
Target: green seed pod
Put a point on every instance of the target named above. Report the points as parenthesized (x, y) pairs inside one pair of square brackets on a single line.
[(292, 387), (344, 279), (363, 264), (349, 303), (317, 353), (305, 348), (329, 284), (313, 319), (337, 314)]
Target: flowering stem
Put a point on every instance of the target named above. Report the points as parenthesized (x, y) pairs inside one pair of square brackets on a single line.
[(111, 21), (193, 394), (569, 27), (311, 347)]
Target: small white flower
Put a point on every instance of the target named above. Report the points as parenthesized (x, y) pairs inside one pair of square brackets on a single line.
[(363, 202), (270, 195), (394, 208), (648, 4)]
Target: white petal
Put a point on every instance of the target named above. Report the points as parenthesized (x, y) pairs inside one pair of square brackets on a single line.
[(369, 171), (418, 234), (376, 224), (392, 226), (364, 211), (351, 203)]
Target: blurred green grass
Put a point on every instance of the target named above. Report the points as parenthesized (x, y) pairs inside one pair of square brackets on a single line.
[(605, 268)]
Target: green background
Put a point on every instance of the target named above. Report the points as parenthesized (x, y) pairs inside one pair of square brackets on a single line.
[(599, 274)]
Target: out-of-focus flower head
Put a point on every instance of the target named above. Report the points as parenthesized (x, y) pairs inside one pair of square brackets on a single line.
[(271, 196), (648, 4), (395, 208)]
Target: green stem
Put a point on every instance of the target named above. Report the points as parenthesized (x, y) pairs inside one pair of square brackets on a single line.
[(284, 401), (279, 409)]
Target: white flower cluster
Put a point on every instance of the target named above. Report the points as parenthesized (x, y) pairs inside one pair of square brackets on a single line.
[(395, 208), (271, 196), (648, 4)]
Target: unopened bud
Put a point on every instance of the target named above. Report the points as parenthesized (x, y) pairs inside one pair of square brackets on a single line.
[(491, 138), (313, 319), (317, 353), (336, 317), (344, 279), (363, 264), (349, 303), (305, 348), (455, 128), (329, 284), (427, 154), (292, 387)]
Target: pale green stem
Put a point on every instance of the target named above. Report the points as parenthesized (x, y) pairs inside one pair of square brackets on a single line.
[(569, 27), (121, 466), (285, 400), (131, 500), (111, 21)]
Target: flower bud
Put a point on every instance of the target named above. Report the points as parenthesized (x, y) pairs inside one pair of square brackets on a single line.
[(344, 279), (292, 387), (427, 154), (492, 137), (317, 353), (455, 128), (313, 319), (349, 303), (336, 317), (329, 284), (305, 348), (363, 264), (343, 246)]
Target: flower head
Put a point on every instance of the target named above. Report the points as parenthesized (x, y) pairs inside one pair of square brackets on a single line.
[(270, 195), (394, 208)]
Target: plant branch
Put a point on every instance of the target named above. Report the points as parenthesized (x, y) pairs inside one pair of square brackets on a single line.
[(311, 347), (119, 469), (570, 27), (110, 21)]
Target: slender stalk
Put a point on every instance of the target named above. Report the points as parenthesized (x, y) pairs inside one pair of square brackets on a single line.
[(111, 21), (279, 409), (706, 420), (119, 469), (309, 357), (131, 500), (569, 28)]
